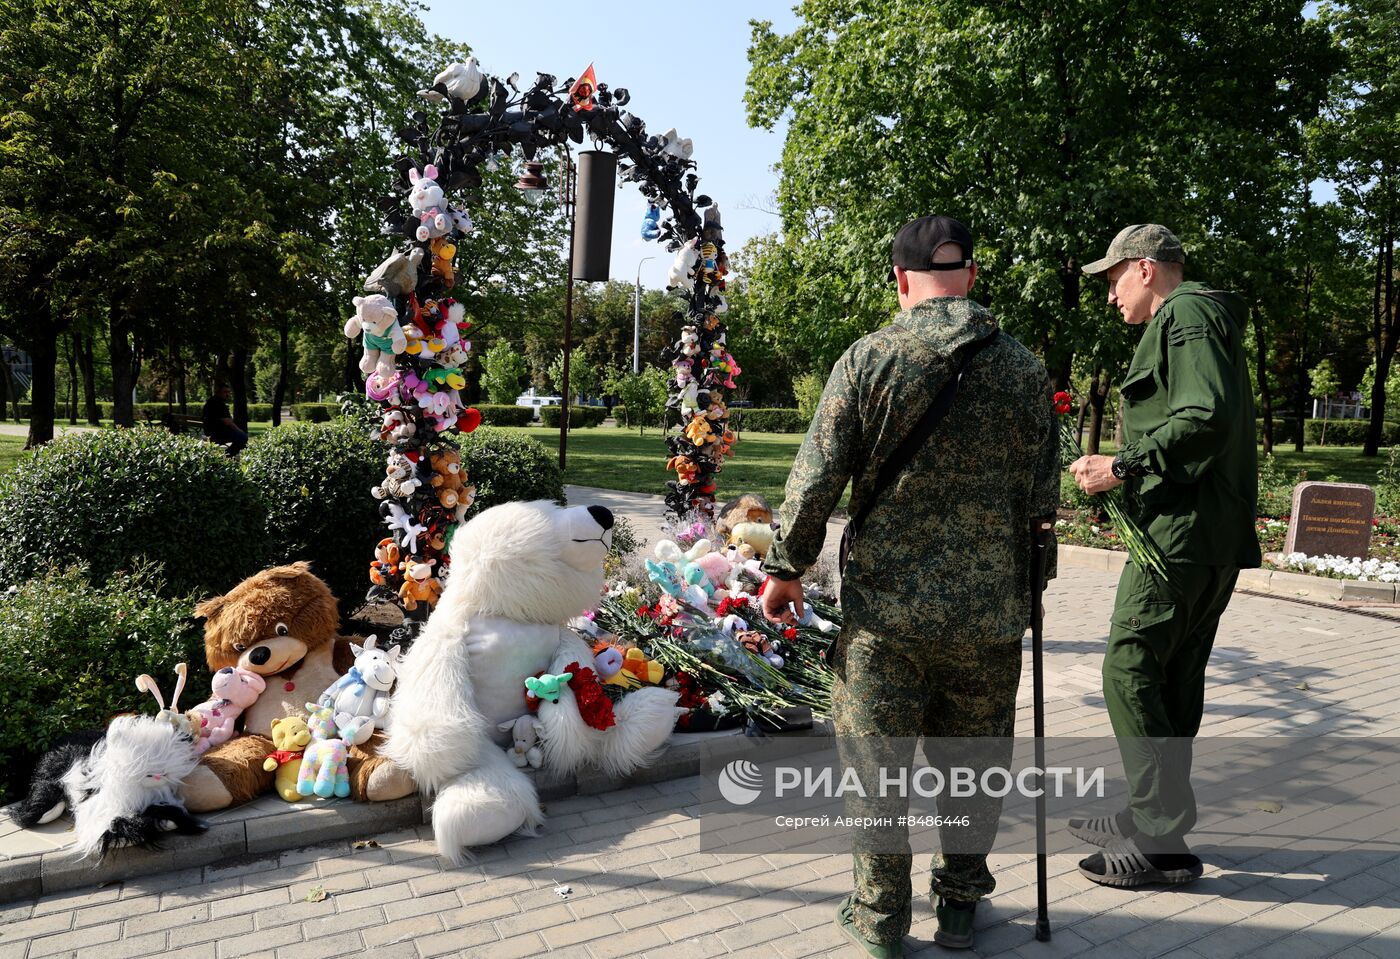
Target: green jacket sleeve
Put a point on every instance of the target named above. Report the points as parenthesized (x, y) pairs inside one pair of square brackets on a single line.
[(819, 475), (1199, 400)]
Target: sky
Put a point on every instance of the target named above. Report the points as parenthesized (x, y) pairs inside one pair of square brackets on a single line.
[(685, 67)]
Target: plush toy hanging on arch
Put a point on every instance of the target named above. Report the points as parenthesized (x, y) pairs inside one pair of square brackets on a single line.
[(414, 333)]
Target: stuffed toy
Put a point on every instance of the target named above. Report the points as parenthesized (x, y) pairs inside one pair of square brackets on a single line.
[(191, 725), (547, 686), (402, 526), (425, 197), (761, 646), (520, 571), (397, 275), (443, 252), (281, 624), (651, 222), (382, 390), (672, 145), (385, 568), (686, 468), (689, 343), (680, 276), (383, 337), (607, 663), (445, 379), (459, 80), (717, 569), (400, 478), (419, 586), (635, 663), (753, 539), (745, 508), (448, 480), (441, 408), (524, 749), (461, 220), (290, 736), (324, 769), (363, 692), (125, 792), (234, 690), (699, 431), (396, 427)]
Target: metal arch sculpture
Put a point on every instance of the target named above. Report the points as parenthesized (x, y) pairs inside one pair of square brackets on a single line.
[(414, 335)]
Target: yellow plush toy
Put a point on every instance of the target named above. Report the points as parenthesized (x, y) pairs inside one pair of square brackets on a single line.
[(757, 537), (636, 663), (290, 735)]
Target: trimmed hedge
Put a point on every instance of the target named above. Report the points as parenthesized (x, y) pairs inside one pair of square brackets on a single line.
[(579, 416), (110, 498), (1351, 432), (494, 414), (71, 650), (1285, 430), (509, 466), (775, 420), (314, 412), (314, 480)]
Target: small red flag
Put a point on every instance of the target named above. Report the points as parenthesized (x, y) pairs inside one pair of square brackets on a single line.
[(581, 93)]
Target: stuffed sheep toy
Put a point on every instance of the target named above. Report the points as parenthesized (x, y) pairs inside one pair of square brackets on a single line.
[(377, 319), (520, 572), (363, 692)]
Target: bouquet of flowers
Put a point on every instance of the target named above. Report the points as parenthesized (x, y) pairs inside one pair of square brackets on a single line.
[(1144, 552)]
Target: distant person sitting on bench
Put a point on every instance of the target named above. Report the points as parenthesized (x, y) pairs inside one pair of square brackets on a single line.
[(218, 422)]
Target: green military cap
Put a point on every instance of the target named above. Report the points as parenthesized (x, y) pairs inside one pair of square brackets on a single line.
[(1140, 241)]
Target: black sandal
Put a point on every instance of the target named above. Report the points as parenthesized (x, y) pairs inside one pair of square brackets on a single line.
[(1124, 866), (1098, 831)]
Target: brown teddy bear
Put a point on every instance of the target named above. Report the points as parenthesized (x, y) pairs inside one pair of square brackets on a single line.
[(281, 624), (747, 508), (452, 491)]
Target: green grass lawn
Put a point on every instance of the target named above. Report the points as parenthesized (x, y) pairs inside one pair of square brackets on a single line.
[(614, 458)]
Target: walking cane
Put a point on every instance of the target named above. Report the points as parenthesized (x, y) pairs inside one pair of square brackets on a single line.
[(1040, 530)]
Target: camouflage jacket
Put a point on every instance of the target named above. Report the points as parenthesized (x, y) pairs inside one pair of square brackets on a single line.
[(950, 537)]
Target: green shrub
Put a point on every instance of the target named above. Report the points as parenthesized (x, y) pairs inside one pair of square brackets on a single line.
[(507, 466), (1285, 430), (71, 652), (314, 412), (359, 409), (152, 412), (579, 416), (768, 420), (314, 480), (110, 497), (496, 415), (1351, 432), (807, 389)]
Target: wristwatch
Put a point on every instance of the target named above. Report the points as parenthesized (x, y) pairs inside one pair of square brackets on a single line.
[(1121, 470)]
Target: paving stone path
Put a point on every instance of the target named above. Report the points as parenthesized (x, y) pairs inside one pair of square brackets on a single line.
[(639, 884)]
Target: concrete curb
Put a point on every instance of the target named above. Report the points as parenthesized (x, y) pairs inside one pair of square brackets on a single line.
[(1317, 589), (269, 825)]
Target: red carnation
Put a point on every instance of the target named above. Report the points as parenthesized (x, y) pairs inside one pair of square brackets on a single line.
[(790, 632), (1063, 402), (594, 706)]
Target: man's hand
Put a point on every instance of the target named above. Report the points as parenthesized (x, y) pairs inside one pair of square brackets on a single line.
[(1094, 474), (778, 596)]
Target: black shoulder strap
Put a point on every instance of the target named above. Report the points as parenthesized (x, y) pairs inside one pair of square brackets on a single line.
[(922, 430)]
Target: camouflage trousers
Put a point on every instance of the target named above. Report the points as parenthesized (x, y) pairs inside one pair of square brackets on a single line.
[(891, 690)]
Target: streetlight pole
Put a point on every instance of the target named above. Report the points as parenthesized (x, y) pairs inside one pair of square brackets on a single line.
[(570, 203), (637, 320)]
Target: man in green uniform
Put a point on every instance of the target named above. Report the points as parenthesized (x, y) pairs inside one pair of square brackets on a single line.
[(1190, 477), (936, 590)]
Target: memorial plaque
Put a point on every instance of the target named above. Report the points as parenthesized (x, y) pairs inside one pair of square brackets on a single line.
[(1331, 519)]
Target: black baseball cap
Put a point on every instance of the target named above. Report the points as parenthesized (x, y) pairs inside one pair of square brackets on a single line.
[(916, 241)]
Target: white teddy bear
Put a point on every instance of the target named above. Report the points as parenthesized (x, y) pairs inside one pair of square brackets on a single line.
[(520, 571), (376, 317)]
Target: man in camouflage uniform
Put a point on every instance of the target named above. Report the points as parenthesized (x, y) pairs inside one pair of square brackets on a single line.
[(1190, 479), (936, 591)]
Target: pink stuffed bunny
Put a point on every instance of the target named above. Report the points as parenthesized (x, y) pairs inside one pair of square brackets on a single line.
[(234, 691)]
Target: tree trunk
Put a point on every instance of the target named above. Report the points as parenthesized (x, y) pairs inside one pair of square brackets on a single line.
[(5, 387), (69, 354), (1383, 324), (123, 368), (1098, 395), (83, 347), (43, 353), (279, 392), (1262, 372), (238, 380)]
